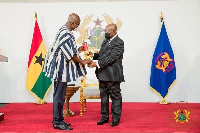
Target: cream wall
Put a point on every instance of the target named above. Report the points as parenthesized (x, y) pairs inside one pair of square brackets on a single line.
[(140, 31)]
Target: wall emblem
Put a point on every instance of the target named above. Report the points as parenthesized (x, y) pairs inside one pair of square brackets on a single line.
[(92, 30)]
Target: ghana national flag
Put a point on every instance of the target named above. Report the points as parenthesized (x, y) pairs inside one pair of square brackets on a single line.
[(36, 82)]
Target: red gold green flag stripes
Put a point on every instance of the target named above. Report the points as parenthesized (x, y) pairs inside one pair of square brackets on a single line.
[(36, 82)]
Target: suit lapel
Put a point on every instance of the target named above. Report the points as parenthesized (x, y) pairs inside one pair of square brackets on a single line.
[(103, 46), (113, 41), (106, 45)]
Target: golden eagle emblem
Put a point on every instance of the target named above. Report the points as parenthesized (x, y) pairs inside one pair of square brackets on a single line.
[(83, 30), (109, 20)]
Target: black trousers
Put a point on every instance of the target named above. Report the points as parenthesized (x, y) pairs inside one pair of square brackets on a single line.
[(112, 89), (58, 102)]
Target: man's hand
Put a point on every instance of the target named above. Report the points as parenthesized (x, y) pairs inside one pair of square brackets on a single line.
[(80, 49), (93, 64), (86, 61), (90, 61)]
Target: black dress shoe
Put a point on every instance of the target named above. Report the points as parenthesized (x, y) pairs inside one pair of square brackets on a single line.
[(62, 127), (102, 121), (67, 124), (114, 124)]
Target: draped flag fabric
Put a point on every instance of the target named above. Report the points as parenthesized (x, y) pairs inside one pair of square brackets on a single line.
[(36, 82), (163, 69)]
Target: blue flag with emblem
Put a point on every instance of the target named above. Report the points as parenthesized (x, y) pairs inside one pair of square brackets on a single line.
[(163, 69)]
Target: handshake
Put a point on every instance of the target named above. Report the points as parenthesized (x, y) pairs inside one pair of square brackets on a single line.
[(89, 62)]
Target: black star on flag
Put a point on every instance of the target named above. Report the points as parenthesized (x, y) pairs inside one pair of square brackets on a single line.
[(39, 59)]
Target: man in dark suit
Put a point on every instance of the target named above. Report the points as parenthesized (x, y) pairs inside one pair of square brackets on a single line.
[(110, 74)]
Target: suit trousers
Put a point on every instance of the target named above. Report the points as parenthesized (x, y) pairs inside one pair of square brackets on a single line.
[(112, 89), (58, 102)]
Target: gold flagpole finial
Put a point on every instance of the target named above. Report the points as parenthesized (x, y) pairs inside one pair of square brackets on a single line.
[(161, 16), (162, 19), (35, 16)]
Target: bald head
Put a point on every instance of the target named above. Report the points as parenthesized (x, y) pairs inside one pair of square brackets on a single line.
[(74, 18), (111, 29), (73, 21)]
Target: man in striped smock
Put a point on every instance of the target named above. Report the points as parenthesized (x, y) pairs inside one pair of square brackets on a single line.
[(63, 64)]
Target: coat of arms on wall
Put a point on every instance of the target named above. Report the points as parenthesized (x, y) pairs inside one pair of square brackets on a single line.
[(92, 30)]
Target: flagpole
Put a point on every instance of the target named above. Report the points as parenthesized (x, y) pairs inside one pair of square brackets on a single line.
[(161, 16), (162, 19), (163, 99), (40, 102), (35, 16)]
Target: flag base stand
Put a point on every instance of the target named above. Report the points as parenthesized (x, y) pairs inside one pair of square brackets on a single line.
[(164, 102), (41, 102)]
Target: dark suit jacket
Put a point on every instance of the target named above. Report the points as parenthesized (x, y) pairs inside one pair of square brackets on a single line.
[(110, 60)]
